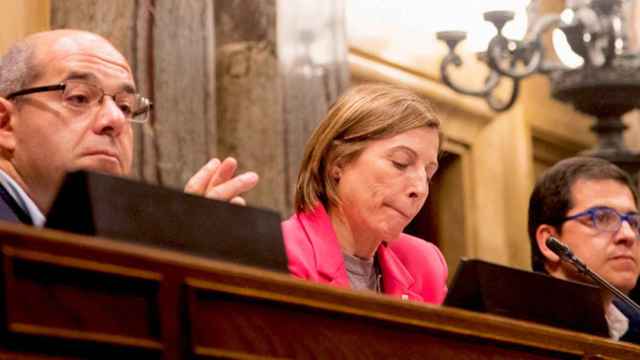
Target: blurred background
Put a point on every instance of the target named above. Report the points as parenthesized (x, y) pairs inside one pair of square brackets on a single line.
[(252, 78)]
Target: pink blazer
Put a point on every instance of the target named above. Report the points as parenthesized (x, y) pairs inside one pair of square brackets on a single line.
[(411, 267)]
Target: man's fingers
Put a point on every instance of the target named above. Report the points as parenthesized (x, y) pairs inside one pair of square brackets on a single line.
[(234, 187), (238, 200), (198, 182), (215, 180), (223, 174)]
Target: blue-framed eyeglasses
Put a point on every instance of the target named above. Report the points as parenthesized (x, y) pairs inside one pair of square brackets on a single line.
[(607, 219)]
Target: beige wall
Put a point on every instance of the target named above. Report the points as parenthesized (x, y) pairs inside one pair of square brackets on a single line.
[(492, 174), (19, 18), (497, 155)]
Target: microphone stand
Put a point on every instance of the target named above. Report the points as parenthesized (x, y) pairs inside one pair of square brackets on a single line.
[(566, 254)]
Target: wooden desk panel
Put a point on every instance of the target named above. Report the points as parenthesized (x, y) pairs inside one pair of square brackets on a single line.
[(79, 297), (237, 326), (68, 297)]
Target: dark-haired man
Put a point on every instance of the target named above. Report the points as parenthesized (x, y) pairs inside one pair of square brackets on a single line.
[(591, 206), (67, 102)]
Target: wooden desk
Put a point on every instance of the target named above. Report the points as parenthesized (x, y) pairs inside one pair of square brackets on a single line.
[(68, 296)]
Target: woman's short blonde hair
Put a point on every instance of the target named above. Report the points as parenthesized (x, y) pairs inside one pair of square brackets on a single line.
[(364, 113)]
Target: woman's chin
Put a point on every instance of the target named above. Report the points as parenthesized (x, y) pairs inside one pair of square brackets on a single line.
[(390, 233)]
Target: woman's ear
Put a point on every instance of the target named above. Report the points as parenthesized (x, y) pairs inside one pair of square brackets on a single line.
[(335, 172), (7, 115), (543, 232), (335, 169)]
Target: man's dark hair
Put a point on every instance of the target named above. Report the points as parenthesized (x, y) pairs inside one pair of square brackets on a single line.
[(551, 198)]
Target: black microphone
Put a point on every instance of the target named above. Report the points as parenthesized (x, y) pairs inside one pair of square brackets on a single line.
[(565, 254)]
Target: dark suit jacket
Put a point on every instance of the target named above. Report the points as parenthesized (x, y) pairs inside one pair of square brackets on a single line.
[(633, 334)]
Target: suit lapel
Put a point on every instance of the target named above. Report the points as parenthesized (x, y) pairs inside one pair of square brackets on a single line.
[(396, 278), (328, 256), (10, 210), (633, 332)]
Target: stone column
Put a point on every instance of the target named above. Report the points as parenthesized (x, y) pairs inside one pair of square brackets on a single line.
[(249, 95), (313, 61)]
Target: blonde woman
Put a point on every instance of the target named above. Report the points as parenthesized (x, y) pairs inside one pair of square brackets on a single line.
[(364, 177)]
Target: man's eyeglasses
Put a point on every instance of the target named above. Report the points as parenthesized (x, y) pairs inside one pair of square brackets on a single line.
[(608, 219), (81, 96)]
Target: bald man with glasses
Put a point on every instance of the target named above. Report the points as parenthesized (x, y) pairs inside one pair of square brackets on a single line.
[(590, 205), (68, 101)]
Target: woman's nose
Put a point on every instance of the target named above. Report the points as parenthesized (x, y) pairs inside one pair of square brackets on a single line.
[(419, 186)]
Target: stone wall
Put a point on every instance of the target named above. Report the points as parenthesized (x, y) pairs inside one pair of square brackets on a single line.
[(219, 83)]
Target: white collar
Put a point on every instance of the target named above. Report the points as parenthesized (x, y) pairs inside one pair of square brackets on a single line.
[(618, 323), (23, 200)]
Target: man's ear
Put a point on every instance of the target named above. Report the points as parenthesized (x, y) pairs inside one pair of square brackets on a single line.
[(7, 117), (543, 232)]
